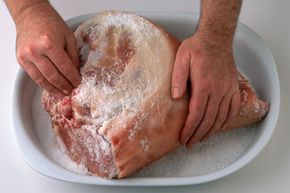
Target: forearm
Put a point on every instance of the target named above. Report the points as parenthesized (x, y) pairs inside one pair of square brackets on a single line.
[(218, 21), (18, 9)]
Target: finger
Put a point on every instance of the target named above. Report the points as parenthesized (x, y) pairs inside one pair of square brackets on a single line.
[(234, 108), (221, 117), (36, 75), (207, 120), (64, 65), (180, 74), (72, 50), (50, 72), (197, 107)]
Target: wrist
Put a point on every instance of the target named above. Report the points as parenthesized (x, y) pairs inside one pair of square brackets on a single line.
[(31, 10), (213, 41)]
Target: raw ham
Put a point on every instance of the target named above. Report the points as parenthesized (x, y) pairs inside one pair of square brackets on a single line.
[(122, 117)]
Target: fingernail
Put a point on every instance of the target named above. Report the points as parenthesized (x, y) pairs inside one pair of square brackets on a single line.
[(66, 92), (79, 81), (76, 83), (175, 92), (223, 128), (184, 139), (205, 138), (189, 146)]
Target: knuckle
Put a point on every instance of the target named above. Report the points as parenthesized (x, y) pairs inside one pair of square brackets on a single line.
[(72, 38), (46, 42), (182, 55), (220, 120), (215, 101), (40, 81), (21, 57), (238, 106), (30, 51), (180, 49), (222, 117), (180, 67), (238, 100), (24, 53), (50, 89), (53, 78), (195, 113), (188, 131), (65, 69), (179, 76), (205, 87), (235, 112), (202, 89), (58, 81), (180, 62), (208, 121), (222, 87), (192, 122)]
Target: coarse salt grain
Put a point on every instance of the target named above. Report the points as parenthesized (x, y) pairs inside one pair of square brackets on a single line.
[(216, 153), (55, 148), (145, 144), (137, 24), (111, 102), (52, 146), (106, 102)]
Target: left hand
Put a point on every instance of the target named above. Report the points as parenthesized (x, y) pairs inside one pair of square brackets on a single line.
[(215, 95)]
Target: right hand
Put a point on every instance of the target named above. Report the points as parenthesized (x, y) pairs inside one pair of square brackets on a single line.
[(46, 49), (213, 77)]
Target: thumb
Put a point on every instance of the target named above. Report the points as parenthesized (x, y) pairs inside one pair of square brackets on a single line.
[(180, 75)]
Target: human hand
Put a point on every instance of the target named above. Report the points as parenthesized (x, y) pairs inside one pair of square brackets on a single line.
[(215, 95), (46, 49)]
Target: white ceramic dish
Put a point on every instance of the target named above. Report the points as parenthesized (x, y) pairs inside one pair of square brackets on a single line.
[(252, 57)]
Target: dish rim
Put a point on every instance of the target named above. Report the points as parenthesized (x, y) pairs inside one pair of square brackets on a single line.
[(248, 156)]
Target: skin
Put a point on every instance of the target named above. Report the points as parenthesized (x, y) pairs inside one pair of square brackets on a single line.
[(45, 46), (206, 61), (46, 49)]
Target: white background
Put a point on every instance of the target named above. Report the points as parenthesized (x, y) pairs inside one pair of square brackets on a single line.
[(268, 173)]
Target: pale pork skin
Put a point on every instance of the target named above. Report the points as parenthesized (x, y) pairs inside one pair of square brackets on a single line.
[(122, 117)]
